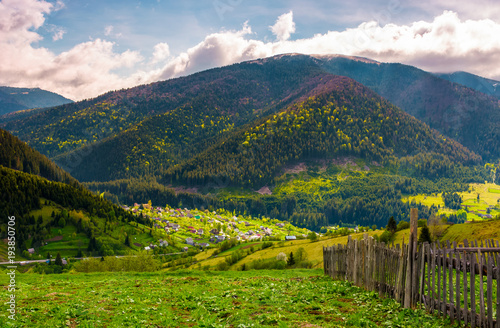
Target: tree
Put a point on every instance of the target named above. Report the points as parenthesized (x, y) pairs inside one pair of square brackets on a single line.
[(392, 225), (62, 222), (312, 236), (291, 260), (425, 235), (58, 259), (127, 241)]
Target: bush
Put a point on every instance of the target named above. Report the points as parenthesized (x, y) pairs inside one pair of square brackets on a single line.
[(422, 223), (403, 225), (386, 237)]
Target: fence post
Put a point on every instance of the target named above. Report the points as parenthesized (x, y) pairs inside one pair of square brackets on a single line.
[(409, 296)]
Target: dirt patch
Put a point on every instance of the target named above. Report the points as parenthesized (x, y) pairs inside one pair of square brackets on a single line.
[(248, 246), (265, 191), (137, 244), (297, 168), (184, 189), (56, 238), (56, 293)]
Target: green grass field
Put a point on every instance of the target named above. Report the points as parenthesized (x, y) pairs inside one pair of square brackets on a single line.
[(288, 298)]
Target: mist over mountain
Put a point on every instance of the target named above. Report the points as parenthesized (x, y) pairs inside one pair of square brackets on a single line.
[(15, 99)]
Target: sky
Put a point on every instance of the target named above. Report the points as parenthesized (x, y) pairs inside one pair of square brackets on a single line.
[(83, 48)]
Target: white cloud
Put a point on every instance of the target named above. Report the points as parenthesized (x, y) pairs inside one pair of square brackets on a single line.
[(161, 52), (444, 44), (284, 27), (108, 30), (86, 70), (447, 43)]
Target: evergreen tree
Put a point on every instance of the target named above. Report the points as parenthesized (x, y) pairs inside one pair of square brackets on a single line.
[(392, 225), (425, 235), (127, 241), (58, 259), (291, 260)]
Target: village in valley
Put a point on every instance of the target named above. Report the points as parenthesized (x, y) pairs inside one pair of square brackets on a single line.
[(202, 229)]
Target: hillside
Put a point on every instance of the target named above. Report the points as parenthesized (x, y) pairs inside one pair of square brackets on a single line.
[(484, 85), (16, 155), (343, 119), (147, 129), (240, 93), (15, 99), (464, 114)]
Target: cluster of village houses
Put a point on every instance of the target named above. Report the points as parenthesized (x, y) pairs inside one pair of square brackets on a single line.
[(216, 235)]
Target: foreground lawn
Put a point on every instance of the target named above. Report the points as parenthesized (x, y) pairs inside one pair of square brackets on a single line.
[(288, 298)]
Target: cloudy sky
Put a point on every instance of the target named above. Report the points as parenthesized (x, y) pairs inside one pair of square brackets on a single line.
[(82, 48)]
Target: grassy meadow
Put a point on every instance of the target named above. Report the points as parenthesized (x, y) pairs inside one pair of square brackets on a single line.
[(286, 298)]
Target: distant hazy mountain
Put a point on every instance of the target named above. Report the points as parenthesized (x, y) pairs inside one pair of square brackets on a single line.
[(484, 85), (14, 99)]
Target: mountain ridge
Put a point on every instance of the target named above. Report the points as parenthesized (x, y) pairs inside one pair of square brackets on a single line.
[(14, 99)]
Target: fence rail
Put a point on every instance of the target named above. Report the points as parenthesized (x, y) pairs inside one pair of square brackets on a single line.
[(461, 283)]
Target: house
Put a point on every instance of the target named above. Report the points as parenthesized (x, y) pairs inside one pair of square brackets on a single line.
[(204, 245), (192, 231), (64, 262), (190, 241), (31, 251), (185, 249), (199, 231), (214, 231), (280, 225), (220, 238), (147, 248), (163, 243), (290, 238), (247, 224)]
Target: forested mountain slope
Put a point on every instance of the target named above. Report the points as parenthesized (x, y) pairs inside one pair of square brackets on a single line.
[(16, 155), (344, 118)]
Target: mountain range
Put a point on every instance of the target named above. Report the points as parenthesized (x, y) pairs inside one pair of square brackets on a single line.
[(16, 99), (243, 125)]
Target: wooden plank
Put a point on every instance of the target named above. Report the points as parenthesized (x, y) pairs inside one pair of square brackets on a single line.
[(428, 265), (433, 266), (355, 263), (466, 305), (438, 271), (482, 315), (457, 290), (400, 279), (498, 292), (445, 277), (408, 281), (489, 291), (473, 291), (421, 269), (450, 286)]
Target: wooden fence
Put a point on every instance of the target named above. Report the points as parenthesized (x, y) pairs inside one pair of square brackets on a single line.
[(459, 282)]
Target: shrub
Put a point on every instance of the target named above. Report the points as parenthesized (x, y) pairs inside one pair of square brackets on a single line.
[(403, 225), (386, 237)]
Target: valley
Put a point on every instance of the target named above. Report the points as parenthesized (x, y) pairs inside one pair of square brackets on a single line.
[(236, 178)]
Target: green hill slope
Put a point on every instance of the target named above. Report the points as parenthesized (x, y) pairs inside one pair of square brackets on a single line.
[(343, 119), (16, 155)]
